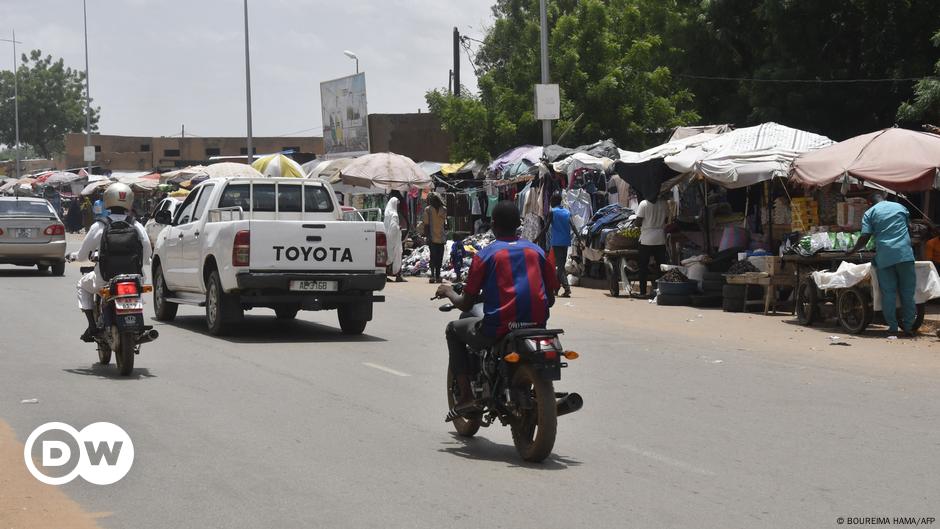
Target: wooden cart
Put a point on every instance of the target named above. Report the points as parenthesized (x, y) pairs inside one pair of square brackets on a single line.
[(852, 307), (623, 271)]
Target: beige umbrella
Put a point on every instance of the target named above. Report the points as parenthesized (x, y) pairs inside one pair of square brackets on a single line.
[(330, 170), (183, 174), (231, 170), (387, 171)]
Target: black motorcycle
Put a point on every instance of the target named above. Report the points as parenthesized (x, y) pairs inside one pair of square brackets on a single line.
[(119, 312), (512, 382)]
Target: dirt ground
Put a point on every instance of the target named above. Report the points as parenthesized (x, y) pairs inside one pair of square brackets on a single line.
[(25, 503)]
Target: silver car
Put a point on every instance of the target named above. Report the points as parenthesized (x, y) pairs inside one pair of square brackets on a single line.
[(31, 234)]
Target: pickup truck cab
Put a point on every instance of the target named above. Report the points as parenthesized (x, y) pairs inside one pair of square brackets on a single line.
[(281, 243)]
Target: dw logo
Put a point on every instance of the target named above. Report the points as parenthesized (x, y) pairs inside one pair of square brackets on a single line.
[(101, 453)]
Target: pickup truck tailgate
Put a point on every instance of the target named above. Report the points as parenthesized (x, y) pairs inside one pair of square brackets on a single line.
[(312, 246)]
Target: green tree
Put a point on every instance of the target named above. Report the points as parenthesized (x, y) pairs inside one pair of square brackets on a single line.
[(475, 132), (925, 108), (610, 59), (51, 103), (806, 40)]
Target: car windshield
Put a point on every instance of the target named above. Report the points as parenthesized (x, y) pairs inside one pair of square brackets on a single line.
[(25, 208)]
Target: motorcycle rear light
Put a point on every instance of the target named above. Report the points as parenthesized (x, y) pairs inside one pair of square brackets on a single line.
[(550, 354), (55, 229), (128, 288), (241, 249), (381, 250)]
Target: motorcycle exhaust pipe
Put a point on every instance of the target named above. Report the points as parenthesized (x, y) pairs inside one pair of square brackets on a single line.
[(148, 336), (570, 403)]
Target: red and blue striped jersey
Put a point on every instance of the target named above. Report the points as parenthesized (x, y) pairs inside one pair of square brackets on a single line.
[(515, 279)]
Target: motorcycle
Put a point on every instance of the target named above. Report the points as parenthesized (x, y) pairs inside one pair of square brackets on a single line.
[(119, 312), (513, 382)]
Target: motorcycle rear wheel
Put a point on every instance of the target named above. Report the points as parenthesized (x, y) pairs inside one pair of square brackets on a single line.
[(465, 427), (534, 432), (125, 354)]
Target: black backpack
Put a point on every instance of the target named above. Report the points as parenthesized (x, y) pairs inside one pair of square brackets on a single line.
[(120, 250)]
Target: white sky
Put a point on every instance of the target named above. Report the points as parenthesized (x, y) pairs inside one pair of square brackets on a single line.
[(157, 64)]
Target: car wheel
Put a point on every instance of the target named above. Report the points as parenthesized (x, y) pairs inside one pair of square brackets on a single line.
[(58, 269), (43, 268), (163, 310), (222, 310)]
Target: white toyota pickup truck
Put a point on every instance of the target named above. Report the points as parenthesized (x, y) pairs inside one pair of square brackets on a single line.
[(281, 243)]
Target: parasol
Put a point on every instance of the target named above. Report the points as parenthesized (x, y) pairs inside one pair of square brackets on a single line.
[(93, 187), (59, 178), (385, 170), (278, 165), (897, 159), (230, 170)]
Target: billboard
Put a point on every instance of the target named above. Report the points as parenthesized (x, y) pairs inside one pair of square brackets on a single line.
[(345, 117)]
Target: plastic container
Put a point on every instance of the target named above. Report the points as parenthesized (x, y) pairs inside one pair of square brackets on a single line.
[(677, 289)]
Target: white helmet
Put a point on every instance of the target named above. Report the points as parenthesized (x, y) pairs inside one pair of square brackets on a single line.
[(118, 195)]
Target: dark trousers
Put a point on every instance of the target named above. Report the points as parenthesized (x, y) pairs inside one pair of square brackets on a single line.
[(561, 257), (657, 252), (460, 334), (437, 257)]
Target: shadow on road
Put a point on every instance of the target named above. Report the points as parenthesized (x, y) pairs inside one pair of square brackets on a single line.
[(482, 449), (110, 372), (26, 271), (266, 329)]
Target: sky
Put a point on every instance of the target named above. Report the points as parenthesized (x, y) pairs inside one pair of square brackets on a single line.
[(156, 65)]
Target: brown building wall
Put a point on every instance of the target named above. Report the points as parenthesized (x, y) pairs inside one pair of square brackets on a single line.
[(129, 153), (417, 136)]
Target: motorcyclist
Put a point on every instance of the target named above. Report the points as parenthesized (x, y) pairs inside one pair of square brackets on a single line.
[(516, 283), (118, 200)]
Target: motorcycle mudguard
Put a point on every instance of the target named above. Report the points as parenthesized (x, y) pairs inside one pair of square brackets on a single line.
[(129, 322)]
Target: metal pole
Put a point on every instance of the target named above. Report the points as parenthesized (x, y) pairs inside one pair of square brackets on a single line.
[(248, 86), (87, 84), (546, 124), (357, 65), (16, 107), (456, 62)]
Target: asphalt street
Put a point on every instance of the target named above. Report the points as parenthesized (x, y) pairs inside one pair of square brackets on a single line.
[(293, 425)]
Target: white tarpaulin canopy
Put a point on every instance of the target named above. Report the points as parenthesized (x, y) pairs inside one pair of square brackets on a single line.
[(667, 149), (747, 156)]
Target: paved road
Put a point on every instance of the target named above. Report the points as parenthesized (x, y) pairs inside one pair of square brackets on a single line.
[(289, 425)]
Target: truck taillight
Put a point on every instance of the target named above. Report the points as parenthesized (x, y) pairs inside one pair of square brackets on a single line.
[(381, 250), (241, 248), (55, 229)]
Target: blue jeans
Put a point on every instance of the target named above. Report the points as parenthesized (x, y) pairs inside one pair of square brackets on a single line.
[(897, 280)]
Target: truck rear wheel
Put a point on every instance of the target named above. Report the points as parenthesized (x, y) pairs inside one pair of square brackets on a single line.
[(286, 312), (163, 309), (351, 320), (222, 309)]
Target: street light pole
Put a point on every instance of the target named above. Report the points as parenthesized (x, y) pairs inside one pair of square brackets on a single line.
[(248, 86), (87, 84), (546, 124), (354, 57), (16, 105)]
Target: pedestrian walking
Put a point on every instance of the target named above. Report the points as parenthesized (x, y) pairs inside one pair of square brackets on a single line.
[(393, 239), (434, 227), (560, 229), (651, 216), (888, 223)]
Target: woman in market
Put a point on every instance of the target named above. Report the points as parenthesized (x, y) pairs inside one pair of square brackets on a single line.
[(434, 226), (393, 239)]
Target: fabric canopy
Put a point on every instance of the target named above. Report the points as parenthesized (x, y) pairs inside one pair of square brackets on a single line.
[(747, 156), (277, 166), (231, 169), (898, 159)]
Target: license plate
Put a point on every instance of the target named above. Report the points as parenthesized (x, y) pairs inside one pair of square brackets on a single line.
[(24, 233), (313, 286)]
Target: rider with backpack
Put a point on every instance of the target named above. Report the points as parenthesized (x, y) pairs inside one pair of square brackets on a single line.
[(122, 245)]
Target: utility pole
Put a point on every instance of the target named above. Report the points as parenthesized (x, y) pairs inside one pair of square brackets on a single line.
[(87, 84), (546, 124), (16, 105), (450, 82), (456, 62), (248, 86)]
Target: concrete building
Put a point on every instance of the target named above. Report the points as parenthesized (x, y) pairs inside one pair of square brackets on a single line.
[(140, 153), (417, 136)]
